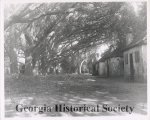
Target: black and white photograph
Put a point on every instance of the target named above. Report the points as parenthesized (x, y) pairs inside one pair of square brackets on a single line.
[(75, 59)]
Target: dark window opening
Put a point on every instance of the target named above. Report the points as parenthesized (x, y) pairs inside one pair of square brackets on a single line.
[(126, 59)]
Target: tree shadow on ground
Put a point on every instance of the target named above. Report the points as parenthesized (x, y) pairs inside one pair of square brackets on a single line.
[(77, 90)]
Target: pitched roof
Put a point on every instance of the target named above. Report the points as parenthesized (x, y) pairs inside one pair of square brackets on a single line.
[(119, 52), (136, 43), (110, 54)]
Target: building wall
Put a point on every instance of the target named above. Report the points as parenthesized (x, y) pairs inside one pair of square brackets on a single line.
[(112, 67), (140, 67), (144, 56), (116, 66), (101, 69)]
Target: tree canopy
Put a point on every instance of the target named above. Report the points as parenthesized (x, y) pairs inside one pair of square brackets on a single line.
[(50, 32)]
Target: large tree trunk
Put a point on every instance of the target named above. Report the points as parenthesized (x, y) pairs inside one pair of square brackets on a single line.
[(13, 67), (28, 69), (13, 62), (28, 65)]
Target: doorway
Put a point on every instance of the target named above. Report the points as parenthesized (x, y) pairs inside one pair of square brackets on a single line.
[(131, 67)]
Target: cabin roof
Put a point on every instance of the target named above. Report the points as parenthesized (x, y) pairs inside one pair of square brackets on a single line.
[(110, 54), (136, 43)]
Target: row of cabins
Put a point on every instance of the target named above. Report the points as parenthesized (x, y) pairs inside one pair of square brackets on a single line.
[(130, 62)]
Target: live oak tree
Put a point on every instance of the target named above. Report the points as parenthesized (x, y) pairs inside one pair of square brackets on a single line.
[(53, 32)]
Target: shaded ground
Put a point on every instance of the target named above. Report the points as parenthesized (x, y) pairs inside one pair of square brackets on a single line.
[(73, 90)]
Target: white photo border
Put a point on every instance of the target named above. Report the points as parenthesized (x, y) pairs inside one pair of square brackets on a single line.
[(2, 104)]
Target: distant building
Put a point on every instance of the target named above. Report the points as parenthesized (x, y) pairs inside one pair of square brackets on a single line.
[(111, 64), (93, 58), (129, 61), (135, 59)]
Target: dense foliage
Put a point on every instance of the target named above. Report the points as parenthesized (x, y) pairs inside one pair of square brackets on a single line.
[(49, 34)]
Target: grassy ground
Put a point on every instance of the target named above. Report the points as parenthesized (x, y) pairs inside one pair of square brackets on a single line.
[(73, 89)]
